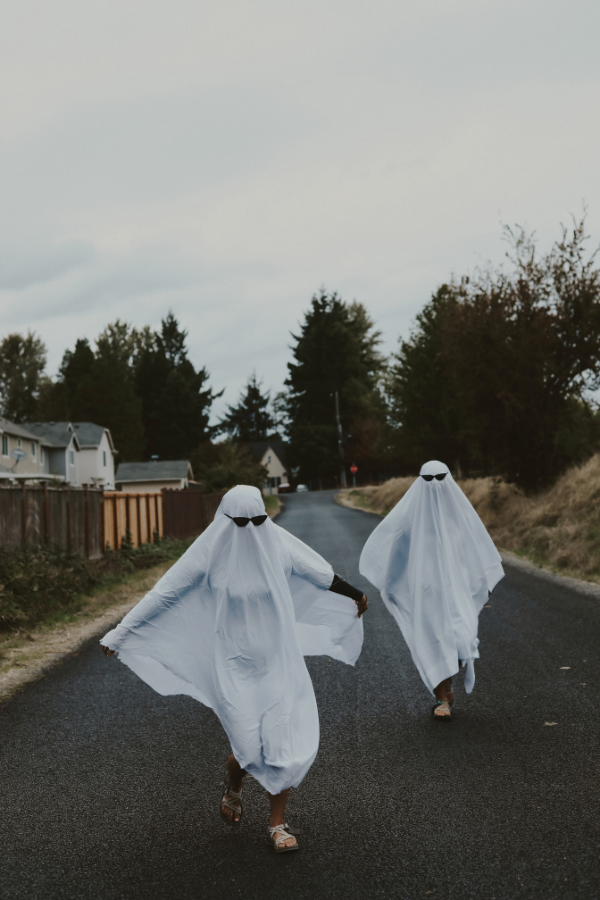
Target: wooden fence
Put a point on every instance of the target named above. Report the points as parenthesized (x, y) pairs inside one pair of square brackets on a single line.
[(139, 514), (65, 517), (87, 521), (175, 514), (188, 513)]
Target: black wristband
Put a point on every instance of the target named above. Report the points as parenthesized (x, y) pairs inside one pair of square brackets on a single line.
[(339, 586)]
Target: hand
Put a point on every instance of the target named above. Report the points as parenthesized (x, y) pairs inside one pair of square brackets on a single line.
[(107, 651), (362, 605)]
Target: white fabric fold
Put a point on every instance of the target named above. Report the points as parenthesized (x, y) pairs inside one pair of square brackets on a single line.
[(230, 623), (433, 562)]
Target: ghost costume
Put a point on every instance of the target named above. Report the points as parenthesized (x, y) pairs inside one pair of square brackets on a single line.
[(230, 623), (434, 563)]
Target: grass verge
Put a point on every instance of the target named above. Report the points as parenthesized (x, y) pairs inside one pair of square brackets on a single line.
[(41, 585), (558, 528)]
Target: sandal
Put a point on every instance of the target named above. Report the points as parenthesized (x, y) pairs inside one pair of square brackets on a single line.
[(277, 836), (441, 710), (231, 800)]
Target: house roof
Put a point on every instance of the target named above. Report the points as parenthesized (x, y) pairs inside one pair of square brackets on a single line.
[(22, 431), (53, 434), (259, 448), (155, 470), (90, 434)]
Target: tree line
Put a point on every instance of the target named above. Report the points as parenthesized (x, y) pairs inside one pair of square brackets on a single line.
[(496, 378)]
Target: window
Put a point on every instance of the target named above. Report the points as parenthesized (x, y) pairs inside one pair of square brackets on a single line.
[(32, 445), (41, 454), (72, 457), (4, 445), (19, 443), (104, 458)]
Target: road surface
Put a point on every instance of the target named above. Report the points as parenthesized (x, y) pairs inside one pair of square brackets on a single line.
[(108, 790)]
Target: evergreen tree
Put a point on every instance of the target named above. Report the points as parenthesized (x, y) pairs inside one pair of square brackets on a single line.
[(176, 399), (250, 420), (113, 402), (336, 350), (22, 363), (72, 398)]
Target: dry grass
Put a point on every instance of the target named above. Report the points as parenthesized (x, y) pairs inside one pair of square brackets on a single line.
[(559, 528)]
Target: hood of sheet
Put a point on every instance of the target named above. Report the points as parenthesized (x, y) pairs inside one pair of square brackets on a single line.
[(433, 562), (230, 623)]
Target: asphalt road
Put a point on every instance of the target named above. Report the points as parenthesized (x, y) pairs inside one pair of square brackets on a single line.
[(108, 790)]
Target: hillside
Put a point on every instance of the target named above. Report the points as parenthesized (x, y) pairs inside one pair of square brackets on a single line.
[(559, 528)]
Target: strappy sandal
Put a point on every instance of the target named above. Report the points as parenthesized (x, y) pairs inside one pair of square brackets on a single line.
[(231, 800), (441, 710), (449, 691), (278, 835)]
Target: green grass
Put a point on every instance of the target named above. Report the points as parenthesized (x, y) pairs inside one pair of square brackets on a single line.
[(271, 502)]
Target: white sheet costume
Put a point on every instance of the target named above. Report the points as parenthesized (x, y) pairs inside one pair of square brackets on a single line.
[(230, 623), (434, 563)]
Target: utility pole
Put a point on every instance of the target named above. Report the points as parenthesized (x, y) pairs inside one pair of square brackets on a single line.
[(339, 431)]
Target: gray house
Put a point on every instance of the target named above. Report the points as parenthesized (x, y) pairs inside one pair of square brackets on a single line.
[(96, 455), (146, 477), (77, 452), (61, 448)]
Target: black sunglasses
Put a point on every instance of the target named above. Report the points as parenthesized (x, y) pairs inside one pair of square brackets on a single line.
[(439, 477), (242, 521)]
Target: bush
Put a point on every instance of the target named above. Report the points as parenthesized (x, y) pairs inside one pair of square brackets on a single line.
[(38, 581)]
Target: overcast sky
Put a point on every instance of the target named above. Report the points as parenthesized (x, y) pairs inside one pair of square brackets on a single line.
[(226, 158)]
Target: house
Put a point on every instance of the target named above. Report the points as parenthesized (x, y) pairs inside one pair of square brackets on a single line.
[(22, 454), (61, 449), (147, 477), (271, 455), (77, 452), (96, 455)]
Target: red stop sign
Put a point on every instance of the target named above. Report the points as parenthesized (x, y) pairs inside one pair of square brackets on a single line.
[(354, 469)]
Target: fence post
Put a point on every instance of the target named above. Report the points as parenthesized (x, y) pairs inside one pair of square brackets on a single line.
[(138, 526), (69, 517), (87, 522), (102, 525), (127, 521), (24, 522), (148, 528), (115, 523), (46, 514)]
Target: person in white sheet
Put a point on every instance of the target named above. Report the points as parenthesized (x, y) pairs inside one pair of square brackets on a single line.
[(230, 624), (435, 564)]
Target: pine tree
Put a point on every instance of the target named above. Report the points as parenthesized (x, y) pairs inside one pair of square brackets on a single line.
[(113, 402), (336, 350), (176, 399), (250, 420), (22, 363)]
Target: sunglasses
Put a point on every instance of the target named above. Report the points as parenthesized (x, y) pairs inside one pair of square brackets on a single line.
[(439, 477), (242, 521)]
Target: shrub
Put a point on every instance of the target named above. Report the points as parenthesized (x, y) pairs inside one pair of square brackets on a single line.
[(38, 581)]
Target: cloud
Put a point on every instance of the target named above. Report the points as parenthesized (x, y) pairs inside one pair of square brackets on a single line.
[(226, 160), (22, 266)]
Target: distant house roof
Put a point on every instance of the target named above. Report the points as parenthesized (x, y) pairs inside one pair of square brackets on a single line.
[(155, 470), (259, 448), (90, 434), (18, 430), (54, 434)]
